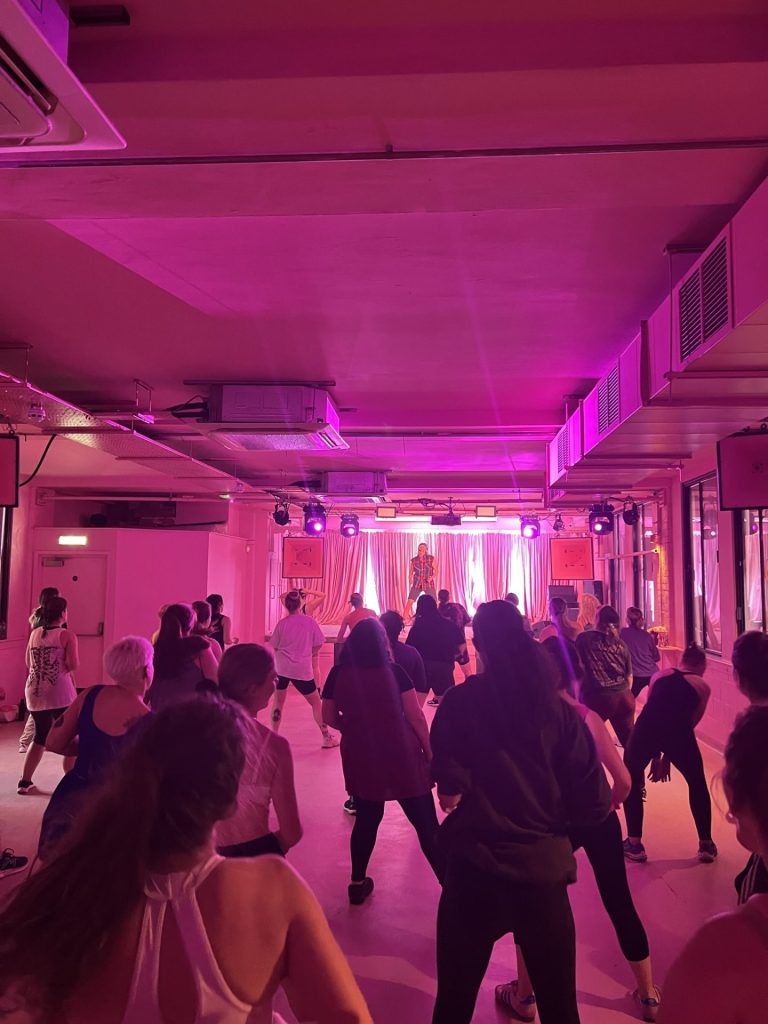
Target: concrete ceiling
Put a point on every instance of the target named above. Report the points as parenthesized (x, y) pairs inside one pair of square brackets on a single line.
[(235, 238)]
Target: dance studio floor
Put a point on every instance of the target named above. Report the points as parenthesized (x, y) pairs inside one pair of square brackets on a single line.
[(390, 939)]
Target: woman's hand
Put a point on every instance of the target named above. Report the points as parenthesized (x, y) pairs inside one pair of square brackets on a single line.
[(661, 769)]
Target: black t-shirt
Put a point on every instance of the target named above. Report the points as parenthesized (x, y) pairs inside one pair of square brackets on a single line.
[(403, 680), (436, 638), (409, 659)]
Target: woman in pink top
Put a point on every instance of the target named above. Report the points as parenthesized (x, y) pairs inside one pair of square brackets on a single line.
[(143, 922), (722, 974)]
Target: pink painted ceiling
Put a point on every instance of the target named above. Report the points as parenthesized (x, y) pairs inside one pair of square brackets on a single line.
[(457, 293)]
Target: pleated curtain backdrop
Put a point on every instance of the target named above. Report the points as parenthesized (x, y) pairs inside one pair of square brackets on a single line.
[(473, 567)]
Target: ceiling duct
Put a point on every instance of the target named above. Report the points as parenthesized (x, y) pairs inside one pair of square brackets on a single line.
[(43, 106)]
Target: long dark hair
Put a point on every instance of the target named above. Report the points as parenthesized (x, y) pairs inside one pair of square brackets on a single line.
[(174, 645), (426, 606), (750, 659), (216, 601), (746, 768), (52, 611), (176, 779), (522, 674), (367, 646)]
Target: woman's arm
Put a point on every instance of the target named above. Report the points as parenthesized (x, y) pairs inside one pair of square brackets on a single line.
[(415, 718), (71, 651), (319, 983), (284, 798), (331, 714), (62, 738), (342, 628), (208, 665), (703, 691), (609, 757), (226, 626), (318, 596)]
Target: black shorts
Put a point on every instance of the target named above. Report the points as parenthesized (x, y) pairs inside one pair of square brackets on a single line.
[(253, 847), (305, 686), (43, 721)]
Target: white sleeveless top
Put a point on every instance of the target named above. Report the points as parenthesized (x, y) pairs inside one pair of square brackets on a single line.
[(49, 683), (217, 1003)]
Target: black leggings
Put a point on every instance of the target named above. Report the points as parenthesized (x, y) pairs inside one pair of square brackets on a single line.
[(476, 910), (419, 810), (683, 751), (602, 845)]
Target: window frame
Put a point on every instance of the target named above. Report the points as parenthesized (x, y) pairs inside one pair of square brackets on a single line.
[(6, 541), (740, 557), (689, 597)]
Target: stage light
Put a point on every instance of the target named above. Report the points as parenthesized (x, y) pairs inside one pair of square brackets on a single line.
[(281, 515), (314, 519), (485, 512), (386, 512), (349, 526), (530, 527), (601, 519), (631, 513), (558, 524)]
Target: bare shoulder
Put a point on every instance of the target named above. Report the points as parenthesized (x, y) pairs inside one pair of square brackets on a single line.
[(267, 879)]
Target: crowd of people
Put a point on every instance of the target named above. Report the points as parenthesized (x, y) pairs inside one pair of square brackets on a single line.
[(161, 887)]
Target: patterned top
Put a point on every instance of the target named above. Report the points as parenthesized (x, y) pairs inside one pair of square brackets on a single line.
[(423, 570), (607, 664), (49, 683)]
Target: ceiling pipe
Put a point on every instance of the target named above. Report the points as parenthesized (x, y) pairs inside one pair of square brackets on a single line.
[(392, 155)]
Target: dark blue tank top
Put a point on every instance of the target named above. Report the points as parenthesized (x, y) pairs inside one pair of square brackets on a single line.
[(95, 749)]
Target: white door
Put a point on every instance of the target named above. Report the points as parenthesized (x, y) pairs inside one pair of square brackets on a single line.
[(82, 580)]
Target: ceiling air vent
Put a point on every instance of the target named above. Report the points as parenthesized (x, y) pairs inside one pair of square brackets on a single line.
[(43, 106), (704, 301), (563, 450), (608, 410)]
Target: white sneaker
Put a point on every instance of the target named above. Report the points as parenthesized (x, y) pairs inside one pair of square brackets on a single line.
[(329, 740)]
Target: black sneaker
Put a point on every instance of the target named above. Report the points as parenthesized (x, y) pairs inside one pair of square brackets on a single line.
[(360, 891), (349, 806), (25, 786), (10, 863), (434, 703)]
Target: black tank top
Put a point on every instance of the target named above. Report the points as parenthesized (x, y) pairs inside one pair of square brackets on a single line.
[(217, 629), (671, 704)]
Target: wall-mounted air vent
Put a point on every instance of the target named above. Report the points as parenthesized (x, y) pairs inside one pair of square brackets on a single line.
[(608, 402), (704, 301), (563, 450)]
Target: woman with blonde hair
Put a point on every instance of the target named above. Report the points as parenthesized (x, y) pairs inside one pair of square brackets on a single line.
[(589, 606), (95, 728)]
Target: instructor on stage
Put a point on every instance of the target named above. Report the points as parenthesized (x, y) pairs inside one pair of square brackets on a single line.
[(422, 578)]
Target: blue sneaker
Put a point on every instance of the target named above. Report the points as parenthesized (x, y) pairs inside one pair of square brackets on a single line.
[(635, 851)]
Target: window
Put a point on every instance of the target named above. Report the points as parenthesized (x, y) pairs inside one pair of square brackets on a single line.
[(703, 575), (6, 523), (752, 565)]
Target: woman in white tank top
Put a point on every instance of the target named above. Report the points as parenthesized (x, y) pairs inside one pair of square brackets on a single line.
[(145, 924), (722, 974), (52, 657)]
